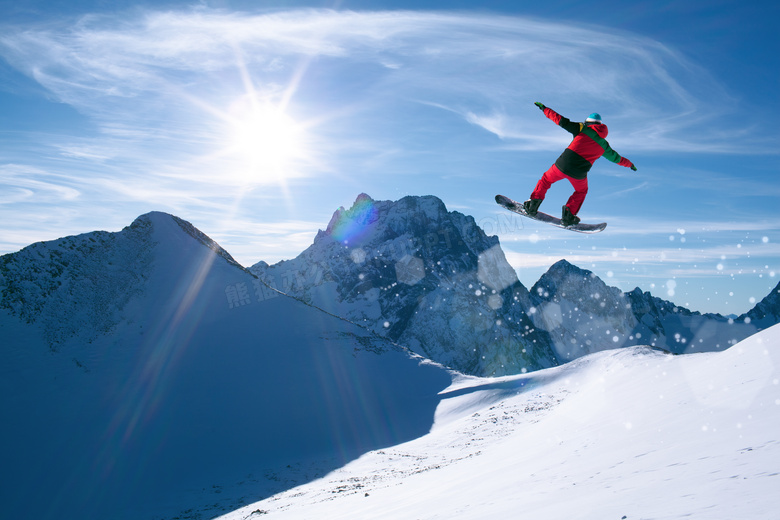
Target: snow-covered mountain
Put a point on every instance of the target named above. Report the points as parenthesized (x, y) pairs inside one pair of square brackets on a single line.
[(626, 433), (431, 280), (425, 277), (584, 315), (145, 373), (766, 312)]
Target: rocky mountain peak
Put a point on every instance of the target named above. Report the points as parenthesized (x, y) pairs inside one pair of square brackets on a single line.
[(361, 215), (767, 311), (75, 287), (565, 278), (426, 277)]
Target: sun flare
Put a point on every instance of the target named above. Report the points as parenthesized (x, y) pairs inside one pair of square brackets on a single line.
[(264, 141)]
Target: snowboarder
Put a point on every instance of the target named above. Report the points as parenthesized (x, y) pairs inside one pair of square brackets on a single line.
[(589, 144)]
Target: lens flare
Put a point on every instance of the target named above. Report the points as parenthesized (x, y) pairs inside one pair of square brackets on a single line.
[(350, 226)]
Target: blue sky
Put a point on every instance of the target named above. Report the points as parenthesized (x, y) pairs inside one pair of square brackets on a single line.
[(256, 120)]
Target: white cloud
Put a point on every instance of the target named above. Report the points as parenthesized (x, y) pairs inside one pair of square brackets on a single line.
[(249, 242), (487, 68), (25, 183), (691, 261)]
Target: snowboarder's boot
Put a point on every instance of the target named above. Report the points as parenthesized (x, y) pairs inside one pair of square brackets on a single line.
[(531, 206), (567, 218)]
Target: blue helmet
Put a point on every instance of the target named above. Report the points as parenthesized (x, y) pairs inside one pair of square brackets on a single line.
[(595, 117)]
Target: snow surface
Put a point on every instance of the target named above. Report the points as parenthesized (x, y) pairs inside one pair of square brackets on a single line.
[(629, 433)]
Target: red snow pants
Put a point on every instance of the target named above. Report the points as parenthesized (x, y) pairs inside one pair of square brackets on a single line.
[(554, 175)]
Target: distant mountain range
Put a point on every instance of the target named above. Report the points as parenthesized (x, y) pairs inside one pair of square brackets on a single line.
[(432, 280), (411, 271)]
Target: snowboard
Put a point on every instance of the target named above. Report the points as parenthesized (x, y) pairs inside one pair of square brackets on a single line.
[(517, 207)]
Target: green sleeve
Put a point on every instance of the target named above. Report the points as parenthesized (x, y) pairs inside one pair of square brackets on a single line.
[(609, 153)]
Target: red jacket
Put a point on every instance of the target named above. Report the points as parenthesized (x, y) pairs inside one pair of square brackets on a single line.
[(589, 144)]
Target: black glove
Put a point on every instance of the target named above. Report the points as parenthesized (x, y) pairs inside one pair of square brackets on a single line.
[(541, 106)]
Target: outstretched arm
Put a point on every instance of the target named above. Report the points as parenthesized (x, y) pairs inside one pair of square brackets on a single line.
[(563, 122), (615, 157)]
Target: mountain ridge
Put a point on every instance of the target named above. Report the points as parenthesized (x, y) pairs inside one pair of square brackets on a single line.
[(421, 250), (409, 270)]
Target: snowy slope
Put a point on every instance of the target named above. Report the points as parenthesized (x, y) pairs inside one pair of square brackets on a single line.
[(624, 434), (72, 288), (172, 381)]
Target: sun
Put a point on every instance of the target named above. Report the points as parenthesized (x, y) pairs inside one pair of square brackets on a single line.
[(264, 143)]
